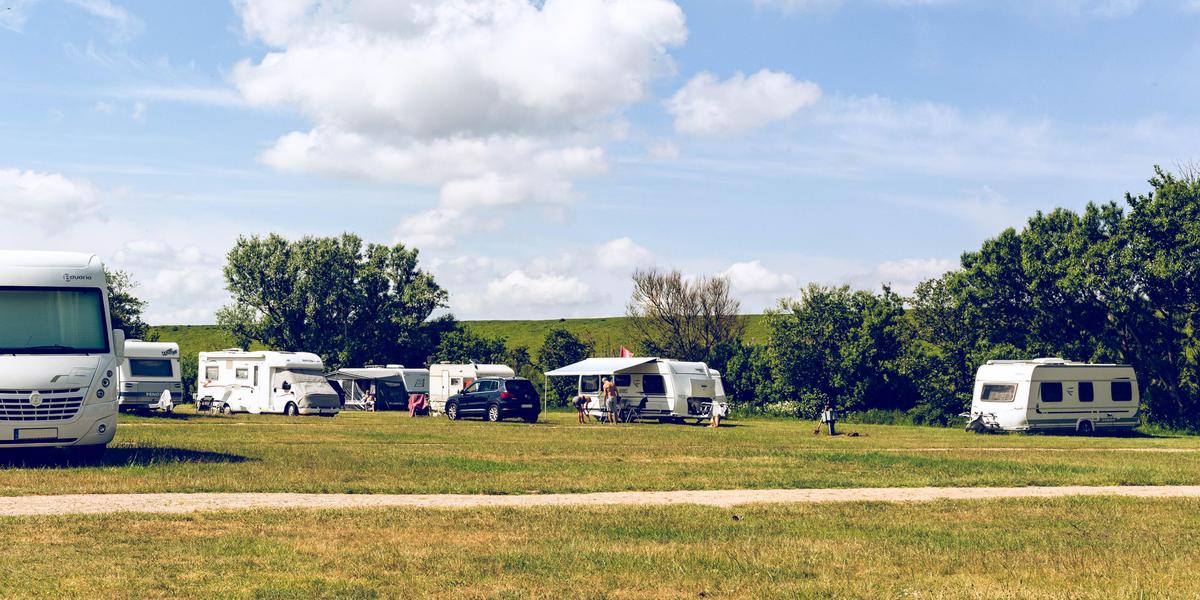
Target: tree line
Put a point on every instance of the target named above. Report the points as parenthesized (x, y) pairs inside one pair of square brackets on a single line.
[(1115, 282)]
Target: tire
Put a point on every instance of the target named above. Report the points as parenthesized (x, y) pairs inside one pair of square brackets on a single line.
[(530, 418), (290, 409), (1085, 428), (225, 410), (493, 413), (452, 411), (86, 455)]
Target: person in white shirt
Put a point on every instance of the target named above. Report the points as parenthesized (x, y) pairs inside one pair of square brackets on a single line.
[(718, 411)]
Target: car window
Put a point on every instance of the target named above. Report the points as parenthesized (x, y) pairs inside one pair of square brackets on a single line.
[(519, 386), (489, 386), (471, 389)]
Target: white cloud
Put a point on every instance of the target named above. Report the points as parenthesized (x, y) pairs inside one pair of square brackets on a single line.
[(125, 25), (179, 284), (663, 150), (139, 110), (1192, 6), (903, 275), (547, 290), (497, 102), (48, 200), (15, 13), (706, 106), (622, 255), (753, 278)]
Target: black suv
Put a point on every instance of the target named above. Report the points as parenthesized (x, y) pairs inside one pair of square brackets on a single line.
[(495, 398)]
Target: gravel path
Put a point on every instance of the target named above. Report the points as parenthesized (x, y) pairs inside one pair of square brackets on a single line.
[(188, 503)]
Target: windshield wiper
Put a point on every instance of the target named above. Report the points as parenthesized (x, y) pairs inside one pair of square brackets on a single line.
[(49, 348)]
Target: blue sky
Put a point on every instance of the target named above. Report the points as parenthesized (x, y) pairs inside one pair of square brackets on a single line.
[(537, 155)]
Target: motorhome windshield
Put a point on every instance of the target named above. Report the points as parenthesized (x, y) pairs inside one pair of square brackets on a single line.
[(52, 321)]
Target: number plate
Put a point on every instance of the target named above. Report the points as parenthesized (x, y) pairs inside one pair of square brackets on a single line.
[(43, 433)]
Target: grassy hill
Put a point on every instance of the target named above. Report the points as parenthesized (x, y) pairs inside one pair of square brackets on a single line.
[(607, 334)]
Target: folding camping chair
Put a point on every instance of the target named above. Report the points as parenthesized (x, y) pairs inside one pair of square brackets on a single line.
[(634, 414)]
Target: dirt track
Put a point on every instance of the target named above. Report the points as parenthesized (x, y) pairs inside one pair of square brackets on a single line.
[(187, 503)]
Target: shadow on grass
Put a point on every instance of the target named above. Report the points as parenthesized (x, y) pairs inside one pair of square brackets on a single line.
[(1110, 433), (50, 458)]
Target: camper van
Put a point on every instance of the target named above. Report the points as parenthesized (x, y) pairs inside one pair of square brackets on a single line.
[(1053, 394), (149, 369), (447, 379), (669, 390), (390, 386), (289, 383), (59, 355)]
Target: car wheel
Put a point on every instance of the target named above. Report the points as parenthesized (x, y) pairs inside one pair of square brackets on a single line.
[(290, 409), (493, 413), (452, 411), (531, 418), (1086, 428), (86, 455)]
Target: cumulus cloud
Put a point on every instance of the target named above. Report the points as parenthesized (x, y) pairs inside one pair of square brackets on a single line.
[(48, 200), (754, 278), (622, 254), (903, 275), (180, 284), (552, 290), (492, 101), (707, 106)]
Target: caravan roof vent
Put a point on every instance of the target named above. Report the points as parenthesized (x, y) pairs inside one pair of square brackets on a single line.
[(1051, 361), (395, 366)]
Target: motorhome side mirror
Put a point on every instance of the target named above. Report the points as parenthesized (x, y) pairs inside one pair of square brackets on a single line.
[(286, 386), (118, 336)]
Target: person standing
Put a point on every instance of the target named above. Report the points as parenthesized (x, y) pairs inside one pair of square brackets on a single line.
[(829, 417), (718, 411), (612, 400)]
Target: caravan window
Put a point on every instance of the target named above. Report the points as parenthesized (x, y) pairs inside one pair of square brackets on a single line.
[(242, 373), (621, 379), (1087, 392), (653, 384), (212, 372), (1052, 391), (998, 392), (149, 367), (1122, 391), (589, 384)]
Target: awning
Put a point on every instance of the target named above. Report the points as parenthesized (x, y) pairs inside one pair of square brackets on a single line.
[(599, 366), (373, 373)]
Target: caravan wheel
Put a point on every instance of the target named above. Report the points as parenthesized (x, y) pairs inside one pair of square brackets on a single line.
[(1085, 428), (290, 409), (225, 410)]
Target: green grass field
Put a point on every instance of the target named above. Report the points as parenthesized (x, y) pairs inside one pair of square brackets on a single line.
[(390, 452), (606, 334), (1064, 548)]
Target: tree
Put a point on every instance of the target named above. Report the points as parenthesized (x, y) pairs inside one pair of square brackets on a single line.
[(461, 345), (348, 303), (561, 348), (681, 319), (125, 309)]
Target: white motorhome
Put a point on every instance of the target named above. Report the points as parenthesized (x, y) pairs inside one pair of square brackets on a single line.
[(390, 385), (447, 379), (59, 355), (290, 383), (669, 390), (1053, 394), (149, 369)]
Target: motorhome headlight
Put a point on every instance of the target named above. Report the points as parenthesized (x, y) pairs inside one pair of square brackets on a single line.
[(99, 393), (102, 428), (108, 374), (104, 382)]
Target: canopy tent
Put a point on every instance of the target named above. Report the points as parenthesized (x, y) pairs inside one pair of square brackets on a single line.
[(599, 366)]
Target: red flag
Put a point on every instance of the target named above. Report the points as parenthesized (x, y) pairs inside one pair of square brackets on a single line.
[(625, 353)]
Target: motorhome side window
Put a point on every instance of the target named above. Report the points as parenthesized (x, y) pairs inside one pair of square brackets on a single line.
[(998, 392), (1122, 391), (1052, 391), (212, 373), (589, 384), (622, 379), (1087, 392), (653, 384), (242, 373)]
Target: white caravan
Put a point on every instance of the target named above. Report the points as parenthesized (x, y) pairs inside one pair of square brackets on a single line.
[(290, 383), (1053, 394), (447, 379), (391, 385), (149, 369), (59, 355), (669, 390)]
